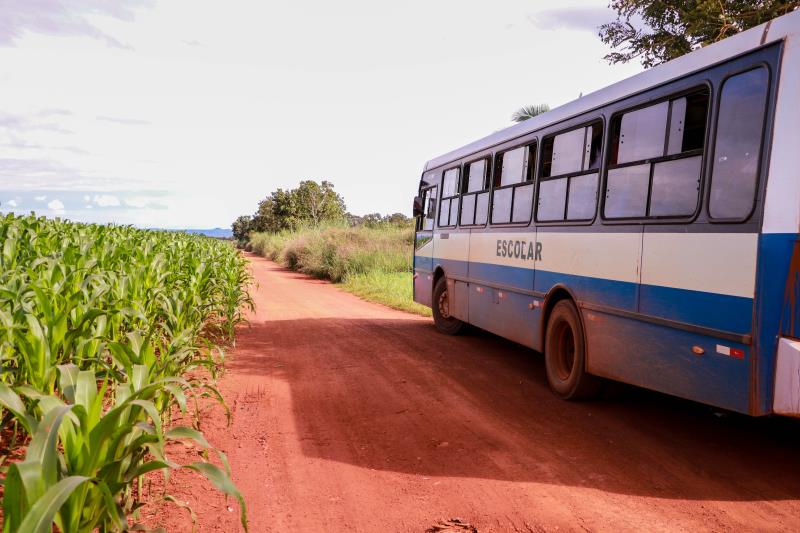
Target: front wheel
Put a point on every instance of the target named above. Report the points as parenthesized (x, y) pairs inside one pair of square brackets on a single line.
[(447, 324), (565, 355)]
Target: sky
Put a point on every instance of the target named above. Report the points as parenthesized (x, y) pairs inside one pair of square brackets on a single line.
[(186, 113)]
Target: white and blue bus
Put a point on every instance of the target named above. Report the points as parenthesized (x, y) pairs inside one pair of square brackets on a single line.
[(646, 233)]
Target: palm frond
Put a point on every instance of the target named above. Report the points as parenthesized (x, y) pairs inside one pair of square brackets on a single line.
[(529, 111)]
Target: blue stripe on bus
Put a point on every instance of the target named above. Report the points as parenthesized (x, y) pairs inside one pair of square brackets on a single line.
[(717, 311), (712, 310)]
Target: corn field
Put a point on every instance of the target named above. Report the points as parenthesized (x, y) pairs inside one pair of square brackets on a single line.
[(101, 330)]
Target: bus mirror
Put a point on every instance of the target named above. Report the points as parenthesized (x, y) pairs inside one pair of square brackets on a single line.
[(417, 207)]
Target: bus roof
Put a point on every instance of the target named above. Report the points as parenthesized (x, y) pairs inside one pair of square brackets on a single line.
[(769, 32)]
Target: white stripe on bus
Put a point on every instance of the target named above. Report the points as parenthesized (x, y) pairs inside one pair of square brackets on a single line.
[(721, 263)]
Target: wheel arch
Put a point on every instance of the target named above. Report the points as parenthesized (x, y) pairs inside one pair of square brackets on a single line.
[(556, 294), (438, 273)]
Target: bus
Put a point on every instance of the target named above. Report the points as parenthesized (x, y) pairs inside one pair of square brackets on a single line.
[(646, 233)]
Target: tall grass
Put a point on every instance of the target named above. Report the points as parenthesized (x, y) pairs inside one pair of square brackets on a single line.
[(375, 263), (99, 327)]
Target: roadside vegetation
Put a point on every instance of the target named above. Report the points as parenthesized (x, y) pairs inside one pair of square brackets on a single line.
[(308, 229), (102, 332), (372, 261)]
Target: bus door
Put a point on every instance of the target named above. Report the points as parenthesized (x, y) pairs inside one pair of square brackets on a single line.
[(423, 247)]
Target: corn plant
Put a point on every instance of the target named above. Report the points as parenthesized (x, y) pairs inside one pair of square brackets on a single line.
[(94, 316)]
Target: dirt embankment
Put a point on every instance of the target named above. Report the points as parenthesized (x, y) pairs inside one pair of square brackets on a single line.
[(348, 416)]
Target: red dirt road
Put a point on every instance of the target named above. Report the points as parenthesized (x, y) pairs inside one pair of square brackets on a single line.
[(348, 416)]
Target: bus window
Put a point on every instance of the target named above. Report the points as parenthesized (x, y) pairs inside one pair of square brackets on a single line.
[(740, 127), (513, 185), (448, 209), (655, 159), (430, 209), (511, 166), (476, 176), (475, 195), (642, 133), (568, 186), (675, 187)]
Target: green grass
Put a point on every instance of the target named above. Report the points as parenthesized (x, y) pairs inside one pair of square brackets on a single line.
[(392, 289), (375, 263)]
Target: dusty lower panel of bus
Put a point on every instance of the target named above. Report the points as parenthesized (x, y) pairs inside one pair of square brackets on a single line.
[(670, 360), (505, 313), (423, 287)]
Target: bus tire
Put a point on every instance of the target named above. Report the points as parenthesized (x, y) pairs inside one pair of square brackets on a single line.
[(445, 323), (565, 355)]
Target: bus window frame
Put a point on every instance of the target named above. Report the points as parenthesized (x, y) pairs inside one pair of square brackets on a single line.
[(763, 147), (528, 143), (599, 170), (487, 178), (423, 192), (705, 84), (442, 199)]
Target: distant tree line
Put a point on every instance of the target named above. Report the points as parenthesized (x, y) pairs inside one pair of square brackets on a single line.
[(310, 204)]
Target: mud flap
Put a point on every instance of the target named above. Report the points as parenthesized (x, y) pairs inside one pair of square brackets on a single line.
[(787, 379)]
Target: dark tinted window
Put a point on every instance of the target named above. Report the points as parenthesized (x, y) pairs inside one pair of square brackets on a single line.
[(738, 144)]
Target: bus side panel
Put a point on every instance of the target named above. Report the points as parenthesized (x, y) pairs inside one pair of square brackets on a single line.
[(703, 279), (598, 268), (506, 313), (451, 251), (662, 358), (507, 259), (503, 258)]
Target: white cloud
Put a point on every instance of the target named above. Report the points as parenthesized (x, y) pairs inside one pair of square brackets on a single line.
[(41, 198), (87, 198), (106, 200), (13, 203), (89, 206), (56, 205)]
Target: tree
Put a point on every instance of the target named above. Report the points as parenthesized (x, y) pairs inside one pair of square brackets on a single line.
[(529, 111), (318, 202), (241, 227), (310, 203), (656, 31), (398, 219)]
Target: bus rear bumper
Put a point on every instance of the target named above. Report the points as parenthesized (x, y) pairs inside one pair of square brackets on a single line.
[(786, 400)]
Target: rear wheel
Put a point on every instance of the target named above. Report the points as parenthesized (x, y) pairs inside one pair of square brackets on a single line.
[(445, 322), (565, 355)]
